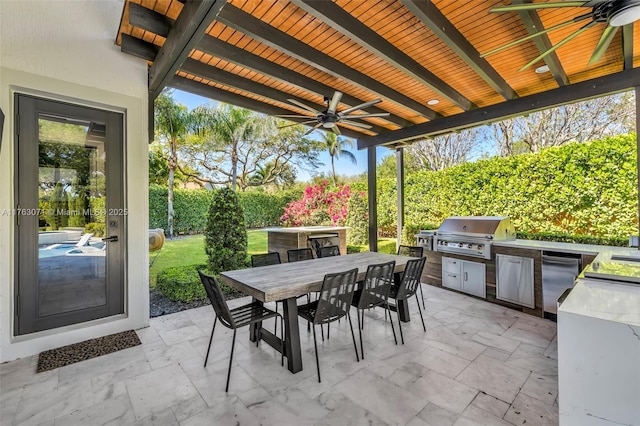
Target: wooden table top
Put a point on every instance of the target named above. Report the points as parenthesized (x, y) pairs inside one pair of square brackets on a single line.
[(278, 282)]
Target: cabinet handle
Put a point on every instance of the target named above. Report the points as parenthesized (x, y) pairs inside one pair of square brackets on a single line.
[(466, 277), (514, 261)]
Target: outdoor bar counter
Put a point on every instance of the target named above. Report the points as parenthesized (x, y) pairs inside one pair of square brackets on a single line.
[(283, 239)]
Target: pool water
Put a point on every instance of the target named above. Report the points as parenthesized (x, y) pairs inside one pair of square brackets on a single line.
[(59, 250)]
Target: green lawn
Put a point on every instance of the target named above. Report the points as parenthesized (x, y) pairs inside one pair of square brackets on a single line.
[(190, 250)]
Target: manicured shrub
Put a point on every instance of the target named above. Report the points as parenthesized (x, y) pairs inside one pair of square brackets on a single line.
[(226, 234), (181, 283), (358, 219), (262, 209)]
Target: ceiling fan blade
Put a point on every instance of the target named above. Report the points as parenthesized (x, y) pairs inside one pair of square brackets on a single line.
[(530, 36), (361, 106), (607, 36), (303, 106), (378, 114), (312, 129), (336, 129), (534, 6), (296, 124), (560, 43), (334, 102), (355, 124), (292, 116)]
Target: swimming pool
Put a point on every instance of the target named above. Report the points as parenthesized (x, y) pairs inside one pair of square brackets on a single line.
[(61, 250)]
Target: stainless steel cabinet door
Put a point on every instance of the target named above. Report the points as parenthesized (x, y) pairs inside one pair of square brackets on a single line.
[(514, 280), (451, 273), (473, 278)]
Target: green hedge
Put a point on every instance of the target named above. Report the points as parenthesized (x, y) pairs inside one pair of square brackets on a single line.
[(578, 189), (192, 205), (182, 284)]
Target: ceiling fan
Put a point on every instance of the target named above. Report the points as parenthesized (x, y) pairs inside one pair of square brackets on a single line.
[(330, 117), (612, 13)]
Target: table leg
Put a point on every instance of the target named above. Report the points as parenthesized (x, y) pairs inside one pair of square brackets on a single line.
[(292, 347), (254, 329), (403, 310)]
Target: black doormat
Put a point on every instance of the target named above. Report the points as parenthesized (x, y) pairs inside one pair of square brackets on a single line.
[(59, 357)]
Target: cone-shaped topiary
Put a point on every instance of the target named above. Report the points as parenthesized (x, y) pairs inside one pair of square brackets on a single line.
[(226, 235)]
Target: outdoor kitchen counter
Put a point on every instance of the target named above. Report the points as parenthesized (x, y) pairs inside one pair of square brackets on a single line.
[(555, 246), (282, 239)]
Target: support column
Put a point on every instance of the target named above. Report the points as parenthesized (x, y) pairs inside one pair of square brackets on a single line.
[(373, 201), (637, 92), (400, 189)]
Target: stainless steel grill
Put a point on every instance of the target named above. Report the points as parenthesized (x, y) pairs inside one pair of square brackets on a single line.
[(472, 235), (425, 239)]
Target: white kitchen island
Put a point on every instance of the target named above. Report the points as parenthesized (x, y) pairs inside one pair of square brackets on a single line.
[(599, 346)]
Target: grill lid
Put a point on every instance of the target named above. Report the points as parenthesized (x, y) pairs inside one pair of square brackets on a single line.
[(493, 227)]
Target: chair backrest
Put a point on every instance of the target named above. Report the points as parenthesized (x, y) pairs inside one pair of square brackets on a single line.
[(335, 296), (413, 251), (410, 278), (376, 285), (294, 255), (217, 299), (328, 251), (264, 259)]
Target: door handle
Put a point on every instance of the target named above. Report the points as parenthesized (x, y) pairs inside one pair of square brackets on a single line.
[(112, 239), (466, 276), (514, 261)]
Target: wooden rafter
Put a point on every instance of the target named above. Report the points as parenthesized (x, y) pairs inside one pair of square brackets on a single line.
[(345, 23), (247, 24), (221, 95), (532, 22), (226, 78), (431, 16), (609, 84), (195, 18)]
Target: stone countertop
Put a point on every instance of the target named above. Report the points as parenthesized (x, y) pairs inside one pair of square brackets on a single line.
[(556, 246), (607, 300), (304, 229)]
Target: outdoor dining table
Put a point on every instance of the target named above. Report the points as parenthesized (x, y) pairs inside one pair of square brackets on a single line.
[(286, 281)]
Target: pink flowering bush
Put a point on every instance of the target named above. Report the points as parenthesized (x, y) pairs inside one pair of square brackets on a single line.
[(320, 205)]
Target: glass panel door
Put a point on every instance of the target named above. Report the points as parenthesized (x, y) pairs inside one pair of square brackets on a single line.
[(70, 215)]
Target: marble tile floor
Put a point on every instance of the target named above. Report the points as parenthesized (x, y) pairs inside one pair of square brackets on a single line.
[(477, 364)]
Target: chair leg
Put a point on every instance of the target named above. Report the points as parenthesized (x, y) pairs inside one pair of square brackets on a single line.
[(315, 347), (210, 340), (420, 310), (328, 331), (395, 339), (281, 341), (353, 337), (422, 295), (322, 331), (399, 323), (360, 333), (362, 319), (275, 325), (233, 344)]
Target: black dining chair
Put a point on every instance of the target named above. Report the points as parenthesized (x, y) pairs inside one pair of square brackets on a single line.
[(328, 251), (265, 259), (373, 292), (296, 255), (333, 303), (408, 287), (235, 318), (413, 251)]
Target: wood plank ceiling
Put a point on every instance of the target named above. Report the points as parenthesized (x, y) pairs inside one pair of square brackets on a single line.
[(259, 53)]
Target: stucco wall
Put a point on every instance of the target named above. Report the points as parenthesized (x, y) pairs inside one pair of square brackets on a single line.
[(65, 50)]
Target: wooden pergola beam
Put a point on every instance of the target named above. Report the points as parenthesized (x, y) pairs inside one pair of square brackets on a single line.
[(193, 21), (140, 48), (221, 95), (342, 21), (532, 22), (226, 78), (609, 84), (253, 62), (433, 19), (149, 20), (245, 23)]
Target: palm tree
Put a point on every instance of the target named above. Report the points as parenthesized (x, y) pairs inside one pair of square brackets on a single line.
[(171, 124), (335, 146)]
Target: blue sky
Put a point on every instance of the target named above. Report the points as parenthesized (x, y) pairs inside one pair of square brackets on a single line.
[(343, 166)]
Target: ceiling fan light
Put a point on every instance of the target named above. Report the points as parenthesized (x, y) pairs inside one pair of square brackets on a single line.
[(542, 69), (625, 15), (327, 124)]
